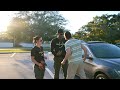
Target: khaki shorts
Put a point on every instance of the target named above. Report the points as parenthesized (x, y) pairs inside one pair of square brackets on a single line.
[(76, 67)]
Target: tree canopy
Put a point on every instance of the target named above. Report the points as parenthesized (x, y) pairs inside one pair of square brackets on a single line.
[(101, 28), (27, 24)]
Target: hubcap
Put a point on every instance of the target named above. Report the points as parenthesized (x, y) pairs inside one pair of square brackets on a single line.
[(101, 77)]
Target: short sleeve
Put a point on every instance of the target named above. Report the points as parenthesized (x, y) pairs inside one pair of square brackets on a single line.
[(32, 52), (41, 48), (67, 45)]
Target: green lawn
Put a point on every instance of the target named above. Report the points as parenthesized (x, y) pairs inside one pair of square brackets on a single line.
[(19, 50), (12, 50)]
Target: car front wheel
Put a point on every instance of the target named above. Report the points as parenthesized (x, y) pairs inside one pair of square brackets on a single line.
[(101, 76)]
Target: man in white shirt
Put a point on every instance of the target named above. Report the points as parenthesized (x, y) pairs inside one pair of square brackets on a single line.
[(74, 49)]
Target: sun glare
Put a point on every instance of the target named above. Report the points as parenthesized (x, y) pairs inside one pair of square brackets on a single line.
[(5, 17), (3, 26)]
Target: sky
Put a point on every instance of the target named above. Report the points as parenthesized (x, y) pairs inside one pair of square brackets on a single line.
[(76, 19), (5, 17)]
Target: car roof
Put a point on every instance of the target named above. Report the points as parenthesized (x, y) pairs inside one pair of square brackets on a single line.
[(94, 42)]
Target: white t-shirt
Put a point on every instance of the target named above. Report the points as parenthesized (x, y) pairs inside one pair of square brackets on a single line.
[(76, 50)]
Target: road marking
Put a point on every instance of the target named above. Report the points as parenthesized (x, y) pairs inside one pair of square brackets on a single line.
[(12, 54), (51, 74)]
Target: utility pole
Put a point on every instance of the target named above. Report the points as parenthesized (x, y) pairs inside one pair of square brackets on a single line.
[(14, 40)]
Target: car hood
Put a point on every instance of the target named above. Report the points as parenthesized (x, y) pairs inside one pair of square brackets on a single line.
[(113, 63)]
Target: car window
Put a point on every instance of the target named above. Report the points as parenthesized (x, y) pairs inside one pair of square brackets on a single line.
[(102, 50)]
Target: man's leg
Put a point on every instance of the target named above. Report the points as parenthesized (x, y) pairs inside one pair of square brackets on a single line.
[(81, 71), (72, 68), (65, 67), (57, 66)]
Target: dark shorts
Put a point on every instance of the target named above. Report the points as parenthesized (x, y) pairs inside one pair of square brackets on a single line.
[(39, 74)]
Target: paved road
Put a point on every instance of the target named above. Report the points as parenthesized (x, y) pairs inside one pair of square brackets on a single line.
[(20, 66)]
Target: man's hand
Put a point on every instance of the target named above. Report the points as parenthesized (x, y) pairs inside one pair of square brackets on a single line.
[(85, 52), (63, 62)]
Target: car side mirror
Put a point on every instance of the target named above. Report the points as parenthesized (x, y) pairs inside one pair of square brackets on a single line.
[(89, 57)]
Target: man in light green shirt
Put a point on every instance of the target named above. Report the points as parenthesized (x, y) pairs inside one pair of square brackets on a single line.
[(74, 49)]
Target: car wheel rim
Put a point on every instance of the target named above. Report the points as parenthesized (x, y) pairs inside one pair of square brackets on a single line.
[(101, 78)]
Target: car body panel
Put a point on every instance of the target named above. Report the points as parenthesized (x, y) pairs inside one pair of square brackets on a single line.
[(108, 66)]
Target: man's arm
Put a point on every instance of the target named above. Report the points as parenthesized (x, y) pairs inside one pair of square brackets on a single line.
[(85, 52), (68, 53), (53, 47)]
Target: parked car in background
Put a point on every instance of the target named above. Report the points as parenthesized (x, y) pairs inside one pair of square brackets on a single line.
[(103, 60)]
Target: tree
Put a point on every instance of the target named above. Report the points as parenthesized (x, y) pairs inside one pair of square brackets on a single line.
[(44, 23), (27, 24), (18, 29), (102, 28)]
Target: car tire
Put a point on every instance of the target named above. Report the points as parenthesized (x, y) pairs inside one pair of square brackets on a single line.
[(101, 76)]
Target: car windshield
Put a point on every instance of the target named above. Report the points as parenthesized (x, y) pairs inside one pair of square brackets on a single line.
[(102, 50)]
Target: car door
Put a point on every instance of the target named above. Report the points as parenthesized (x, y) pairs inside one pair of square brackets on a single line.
[(89, 64)]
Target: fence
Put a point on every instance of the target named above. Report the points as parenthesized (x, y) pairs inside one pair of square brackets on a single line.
[(26, 45)]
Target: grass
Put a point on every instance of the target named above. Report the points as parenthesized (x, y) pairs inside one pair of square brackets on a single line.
[(14, 50), (18, 50)]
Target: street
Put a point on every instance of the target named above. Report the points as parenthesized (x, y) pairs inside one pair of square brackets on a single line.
[(20, 66)]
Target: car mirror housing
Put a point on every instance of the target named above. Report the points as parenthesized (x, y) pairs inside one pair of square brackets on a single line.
[(88, 57), (91, 58)]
